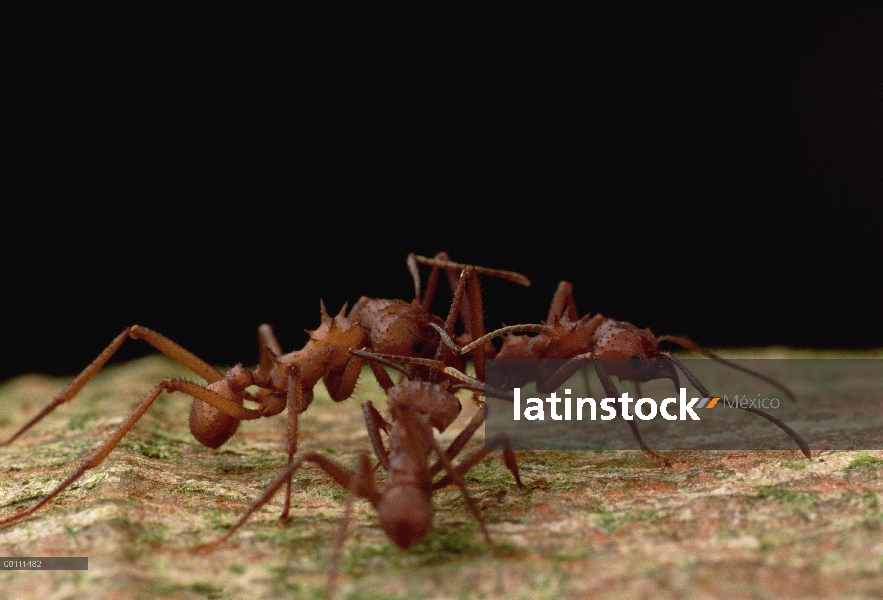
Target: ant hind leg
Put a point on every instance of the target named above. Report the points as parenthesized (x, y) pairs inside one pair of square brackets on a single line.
[(174, 351)]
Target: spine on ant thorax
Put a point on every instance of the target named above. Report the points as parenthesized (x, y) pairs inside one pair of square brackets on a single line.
[(326, 351)]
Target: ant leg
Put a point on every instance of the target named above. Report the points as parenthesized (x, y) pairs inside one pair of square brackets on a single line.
[(375, 360), (688, 344), (455, 266), (569, 368), (381, 376), (462, 304), (644, 447), (415, 275), (97, 457), (268, 345), (476, 323), (223, 404), (586, 381), (465, 307), (362, 472), (431, 281), (375, 423), (297, 403), (468, 305), (458, 286), (342, 384), (439, 262), (364, 489), (468, 463), (563, 304), (176, 353), (565, 372), (158, 341), (611, 391), (534, 327), (463, 438)]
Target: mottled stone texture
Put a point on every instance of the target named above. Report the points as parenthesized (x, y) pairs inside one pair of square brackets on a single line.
[(600, 524)]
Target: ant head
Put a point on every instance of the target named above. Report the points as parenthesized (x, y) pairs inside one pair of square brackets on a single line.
[(431, 402), (404, 329), (405, 515)]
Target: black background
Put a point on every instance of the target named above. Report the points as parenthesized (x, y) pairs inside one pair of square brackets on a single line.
[(711, 173)]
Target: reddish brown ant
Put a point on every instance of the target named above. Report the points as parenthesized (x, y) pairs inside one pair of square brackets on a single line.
[(630, 353), (287, 380), (404, 504)]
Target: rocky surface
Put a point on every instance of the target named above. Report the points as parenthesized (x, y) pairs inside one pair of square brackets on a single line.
[(607, 524)]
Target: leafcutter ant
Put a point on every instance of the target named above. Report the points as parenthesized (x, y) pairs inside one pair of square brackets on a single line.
[(287, 380), (404, 503), (630, 353)]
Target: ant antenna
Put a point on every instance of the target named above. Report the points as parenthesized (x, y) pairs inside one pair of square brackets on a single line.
[(793, 434), (688, 344), (536, 328)]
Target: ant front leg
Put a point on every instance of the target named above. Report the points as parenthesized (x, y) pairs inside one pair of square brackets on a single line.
[(500, 442), (364, 487), (340, 386), (431, 281), (473, 459), (570, 368), (158, 341), (375, 423), (467, 303), (460, 305), (612, 392), (791, 433)]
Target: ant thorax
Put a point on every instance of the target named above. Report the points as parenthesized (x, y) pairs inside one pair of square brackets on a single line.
[(327, 351)]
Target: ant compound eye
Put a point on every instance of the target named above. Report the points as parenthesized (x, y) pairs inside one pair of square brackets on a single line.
[(636, 361), (417, 347)]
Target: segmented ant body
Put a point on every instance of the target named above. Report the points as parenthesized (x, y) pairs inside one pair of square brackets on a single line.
[(615, 348), (287, 380), (404, 503), (415, 407)]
